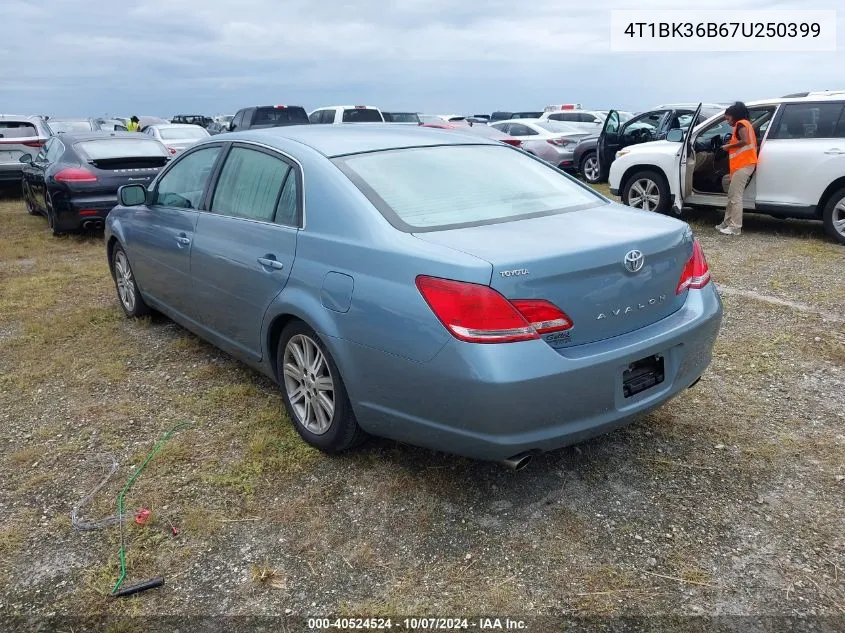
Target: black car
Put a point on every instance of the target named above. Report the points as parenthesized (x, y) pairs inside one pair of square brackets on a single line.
[(268, 116), (654, 125), (192, 119), (526, 115), (500, 116), (74, 179)]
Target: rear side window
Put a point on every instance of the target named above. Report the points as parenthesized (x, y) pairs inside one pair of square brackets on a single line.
[(122, 148), (275, 117), (182, 186), (17, 129), (518, 129), (362, 115), (809, 120), (435, 188), (250, 184)]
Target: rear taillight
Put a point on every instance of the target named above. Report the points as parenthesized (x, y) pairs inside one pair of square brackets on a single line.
[(696, 273), (512, 141), (560, 142), (33, 143), (75, 174), (478, 314)]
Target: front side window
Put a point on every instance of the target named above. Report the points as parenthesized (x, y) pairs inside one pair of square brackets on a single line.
[(183, 184), (760, 118), (54, 151), (435, 188), (808, 120), (250, 184)]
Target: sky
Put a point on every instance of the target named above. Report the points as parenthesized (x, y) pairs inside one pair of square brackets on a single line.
[(165, 57)]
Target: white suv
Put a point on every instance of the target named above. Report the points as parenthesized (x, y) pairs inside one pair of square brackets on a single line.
[(800, 170), (346, 114), (588, 121)]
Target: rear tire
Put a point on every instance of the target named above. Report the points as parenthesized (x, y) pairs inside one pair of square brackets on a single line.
[(51, 218), (128, 296), (27, 198), (590, 169), (834, 216), (313, 391), (647, 190)]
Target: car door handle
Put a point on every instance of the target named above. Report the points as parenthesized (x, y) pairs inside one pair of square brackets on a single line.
[(182, 240), (835, 150), (271, 263)]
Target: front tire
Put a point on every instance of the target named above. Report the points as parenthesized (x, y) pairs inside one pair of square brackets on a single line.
[(128, 295), (834, 216), (52, 222), (315, 396), (590, 169), (647, 190)]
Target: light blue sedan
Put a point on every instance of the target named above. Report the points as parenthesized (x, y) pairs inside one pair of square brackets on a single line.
[(432, 287)]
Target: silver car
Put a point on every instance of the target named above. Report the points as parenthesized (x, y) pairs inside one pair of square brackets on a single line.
[(19, 135), (552, 141), (177, 137)]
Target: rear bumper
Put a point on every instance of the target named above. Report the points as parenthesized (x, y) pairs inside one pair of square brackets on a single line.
[(74, 211), (11, 172), (496, 401)]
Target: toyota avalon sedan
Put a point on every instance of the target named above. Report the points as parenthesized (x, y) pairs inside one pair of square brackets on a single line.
[(433, 287)]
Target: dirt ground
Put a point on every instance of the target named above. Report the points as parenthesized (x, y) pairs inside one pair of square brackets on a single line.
[(729, 500)]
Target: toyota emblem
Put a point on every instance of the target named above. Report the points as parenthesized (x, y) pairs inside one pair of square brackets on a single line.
[(634, 261)]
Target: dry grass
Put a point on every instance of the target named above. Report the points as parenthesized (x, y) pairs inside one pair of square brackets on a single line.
[(387, 530)]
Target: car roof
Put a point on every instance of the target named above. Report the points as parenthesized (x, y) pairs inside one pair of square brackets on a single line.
[(76, 137), (21, 117), (351, 107), (175, 125), (340, 140)]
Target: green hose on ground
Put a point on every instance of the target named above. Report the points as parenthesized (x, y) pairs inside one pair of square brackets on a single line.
[(156, 582)]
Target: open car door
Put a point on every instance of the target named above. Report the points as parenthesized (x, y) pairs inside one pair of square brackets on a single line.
[(686, 165), (608, 142)]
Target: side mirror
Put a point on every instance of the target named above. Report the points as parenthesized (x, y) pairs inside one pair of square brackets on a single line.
[(25, 158), (676, 135), (132, 195)]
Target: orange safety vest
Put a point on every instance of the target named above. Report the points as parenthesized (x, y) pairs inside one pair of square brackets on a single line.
[(744, 155)]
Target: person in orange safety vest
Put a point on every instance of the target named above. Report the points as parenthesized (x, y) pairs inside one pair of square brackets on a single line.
[(742, 159)]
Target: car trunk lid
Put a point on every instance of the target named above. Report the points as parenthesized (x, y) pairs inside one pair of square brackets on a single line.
[(576, 260)]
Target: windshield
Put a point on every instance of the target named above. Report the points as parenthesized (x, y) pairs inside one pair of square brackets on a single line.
[(273, 117), (558, 127), (106, 149), (62, 127), (362, 115), (435, 188), (173, 133)]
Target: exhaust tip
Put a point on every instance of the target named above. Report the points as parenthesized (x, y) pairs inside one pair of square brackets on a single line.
[(518, 462)]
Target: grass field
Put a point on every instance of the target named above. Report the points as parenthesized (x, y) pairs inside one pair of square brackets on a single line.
[(727, 500)]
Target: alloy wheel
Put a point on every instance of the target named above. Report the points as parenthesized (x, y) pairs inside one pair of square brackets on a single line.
[(309, 384), (644, 194), (125, 281), (838, 217), (591, 169)]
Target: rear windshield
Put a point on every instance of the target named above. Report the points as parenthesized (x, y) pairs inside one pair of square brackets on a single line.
[(122, 148), (17, 129), (435, 188), (173, 133), (402, 117), (273, 117), (61, 127), (362, 115)]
